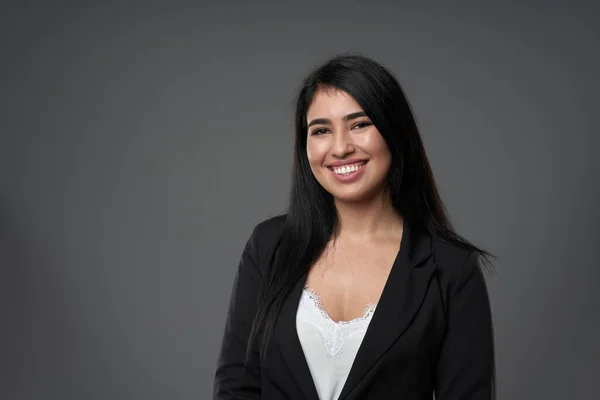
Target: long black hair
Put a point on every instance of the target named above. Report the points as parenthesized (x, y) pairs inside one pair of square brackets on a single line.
[(311, 218)]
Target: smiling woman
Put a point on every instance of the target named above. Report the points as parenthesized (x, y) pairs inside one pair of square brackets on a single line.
[(362, 289), (341, 141)]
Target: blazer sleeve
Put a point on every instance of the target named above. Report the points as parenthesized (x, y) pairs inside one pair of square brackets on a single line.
[(466, 365), (232, 379)]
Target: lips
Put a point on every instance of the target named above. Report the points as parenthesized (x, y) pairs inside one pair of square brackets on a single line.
[(347, 162), (347, 168)]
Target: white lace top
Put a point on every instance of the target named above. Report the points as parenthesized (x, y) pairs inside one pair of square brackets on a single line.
[(329, 347)]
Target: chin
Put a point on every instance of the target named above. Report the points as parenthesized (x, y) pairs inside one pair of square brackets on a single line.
[(358, 194), (350, 197)]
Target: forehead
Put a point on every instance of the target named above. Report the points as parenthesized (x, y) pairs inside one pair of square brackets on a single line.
[(332, 103)]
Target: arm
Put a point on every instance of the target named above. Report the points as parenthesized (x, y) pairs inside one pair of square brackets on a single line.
[(232, 380), (466, 368)]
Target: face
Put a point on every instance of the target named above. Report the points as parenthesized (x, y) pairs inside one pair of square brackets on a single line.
[(347, 154)]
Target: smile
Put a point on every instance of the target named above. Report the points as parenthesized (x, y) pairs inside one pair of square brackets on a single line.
[(348, 173), (347, 169)]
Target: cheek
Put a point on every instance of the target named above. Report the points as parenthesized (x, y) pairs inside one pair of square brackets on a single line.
[(314, 152), (375, 145)]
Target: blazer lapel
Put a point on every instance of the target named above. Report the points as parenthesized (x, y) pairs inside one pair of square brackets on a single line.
[(400, 300), (288, 342)]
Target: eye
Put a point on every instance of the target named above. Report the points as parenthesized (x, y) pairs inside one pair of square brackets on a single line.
[(319, 131), (361, 125)]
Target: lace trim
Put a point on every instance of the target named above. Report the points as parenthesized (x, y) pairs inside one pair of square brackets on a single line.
[(367, 311), (334, 334)]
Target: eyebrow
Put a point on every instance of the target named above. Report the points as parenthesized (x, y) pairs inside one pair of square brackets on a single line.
[(348, 117)]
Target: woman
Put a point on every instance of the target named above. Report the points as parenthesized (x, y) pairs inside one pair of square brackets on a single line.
[(362, 290)]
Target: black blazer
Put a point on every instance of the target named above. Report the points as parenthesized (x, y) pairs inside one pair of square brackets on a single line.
[(431, 332)]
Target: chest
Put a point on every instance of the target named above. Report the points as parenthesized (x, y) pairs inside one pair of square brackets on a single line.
[(349, 278)]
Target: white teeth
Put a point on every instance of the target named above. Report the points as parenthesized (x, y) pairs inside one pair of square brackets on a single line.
[(346, 169)]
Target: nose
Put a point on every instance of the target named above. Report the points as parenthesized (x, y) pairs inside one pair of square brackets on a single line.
[(342, 143)]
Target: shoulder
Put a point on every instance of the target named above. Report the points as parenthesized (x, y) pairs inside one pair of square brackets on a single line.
[(454, 262), (267, 232), (264, 239)]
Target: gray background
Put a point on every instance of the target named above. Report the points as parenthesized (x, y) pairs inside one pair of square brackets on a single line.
[(141, 143)]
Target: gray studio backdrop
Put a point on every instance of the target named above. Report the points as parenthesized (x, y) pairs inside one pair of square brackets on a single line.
[(141, 143)]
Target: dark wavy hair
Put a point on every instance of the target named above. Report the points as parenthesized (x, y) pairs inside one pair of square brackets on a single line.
[(311, 218)]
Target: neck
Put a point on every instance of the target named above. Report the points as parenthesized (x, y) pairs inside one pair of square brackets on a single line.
[(368, 221)]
